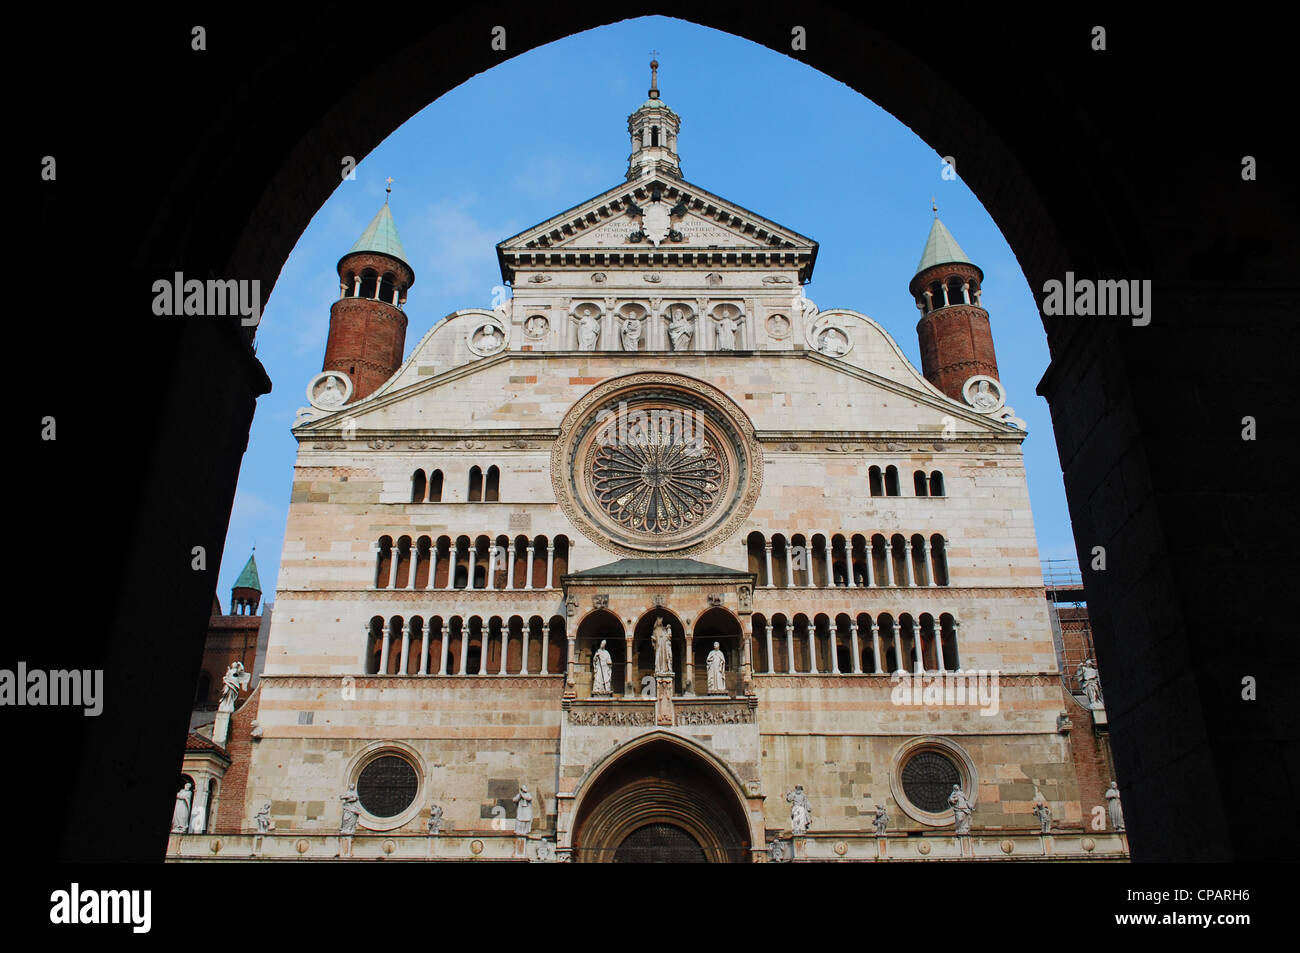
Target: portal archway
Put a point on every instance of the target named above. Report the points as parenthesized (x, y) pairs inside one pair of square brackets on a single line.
[(661, 799)]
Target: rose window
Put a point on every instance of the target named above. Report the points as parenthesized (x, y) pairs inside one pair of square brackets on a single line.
[(661, 482)]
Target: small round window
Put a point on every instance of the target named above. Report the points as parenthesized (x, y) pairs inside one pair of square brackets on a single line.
[(928, 777), (387, 786)]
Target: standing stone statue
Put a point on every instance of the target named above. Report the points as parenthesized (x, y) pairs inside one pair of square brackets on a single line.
[(601, 669), (662, 639), (263, 818), (588, 330), (717, 671), (961, 809), (1044, 815), (197, 825), (1090, 679), (727, 328), (524, 812), (800, 811), (1113, 808), (679, 330), (631, 333), (435, 819), (181, 813), (234, 681), (351, 811), (881, 821)]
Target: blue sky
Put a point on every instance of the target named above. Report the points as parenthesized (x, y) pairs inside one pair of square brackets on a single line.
[(548, 129)]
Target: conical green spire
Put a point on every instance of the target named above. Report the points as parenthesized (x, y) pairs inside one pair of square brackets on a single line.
[(381, 236), (248, 577), (941, 248)]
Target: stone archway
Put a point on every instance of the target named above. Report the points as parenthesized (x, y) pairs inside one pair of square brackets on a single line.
[(660, 800)]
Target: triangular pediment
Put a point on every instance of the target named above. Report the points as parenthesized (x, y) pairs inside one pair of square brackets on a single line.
[(658, 214)]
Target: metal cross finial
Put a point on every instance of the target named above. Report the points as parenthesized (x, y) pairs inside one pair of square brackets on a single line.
[(388, 191), (933, 207)]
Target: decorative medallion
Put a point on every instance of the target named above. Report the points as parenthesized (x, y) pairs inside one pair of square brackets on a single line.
[(829, 336), (536, 326), (656, 464), (984, 393), (329, 390), (778, 327), (489, 336)]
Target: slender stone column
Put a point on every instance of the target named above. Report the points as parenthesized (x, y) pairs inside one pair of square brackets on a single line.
[(810, 633), (929, 301), (366, 662), (444, 636), (853, 636), (767, 554), (746, 662), (789, 648), (830, 565), (550, 565), (383, 653), (546, 646), (356, 287), (938, 643), (688, 670), (955, 643), (925, 558), (944, 286), (965, 292), (916, 647), (833, 631), (424, 648), (871, 558), (406, 647), (453, 552), (875, 643), (469, 576), (525, 631), (505, 645), (889, 560), (492, 565), (907, 561), (767, 634), (627, 666), (571, 679), (464, 645), (392, 569), (529, 568), (789, 564), (433, 566)]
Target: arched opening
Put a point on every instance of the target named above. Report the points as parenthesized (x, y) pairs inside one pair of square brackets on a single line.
[(644, 651), (891, 481), (936, 483), (383, 562), (598, 626), (720, 626), (492, 488), (658, 801), (435, 486), (475, 493), (417, 487), (754, 557), (875, 482), (919, 483)]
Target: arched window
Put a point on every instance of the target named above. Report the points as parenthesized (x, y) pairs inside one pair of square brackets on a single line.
[(755, 557), (948, 636), (435, 486), (936, 483), (919, 483), (475, 485), (383, 562), (369, 282), (492, 491), (954, 291), (403, 563), (891, 481), (386, 287), (654, 135), (939, 559), (417, 487), (349, 284), (920, 571), (874, 481)]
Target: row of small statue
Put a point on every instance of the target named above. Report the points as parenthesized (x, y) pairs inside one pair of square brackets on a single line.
[(801, 811), (602, 665), (679, 329)]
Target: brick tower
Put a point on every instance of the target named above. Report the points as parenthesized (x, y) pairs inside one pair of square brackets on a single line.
[(367, 325), (956, 343)]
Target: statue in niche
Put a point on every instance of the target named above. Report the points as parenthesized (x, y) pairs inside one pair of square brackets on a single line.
[(727, 328), (679, 330), (717, 671), (631, 332), (435, 818), (601, 667), (832, 342), (330, 393), (1090, 680), (524, 811), (1112, 807), (196, 821), (181, 813), (800, 811), (263, 818), (961, 809), (662, 639), (881, 821), (588, 329), (536, 326), (234, 681), (488, 340)]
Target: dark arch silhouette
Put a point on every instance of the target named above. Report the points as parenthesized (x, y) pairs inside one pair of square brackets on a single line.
[(1119, 402)]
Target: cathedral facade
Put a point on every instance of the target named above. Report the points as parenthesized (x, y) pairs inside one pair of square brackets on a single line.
[(656, 560)]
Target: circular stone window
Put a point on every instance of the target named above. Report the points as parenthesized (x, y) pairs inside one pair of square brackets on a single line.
[(387, 786), (656, 463), (928, 777)]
